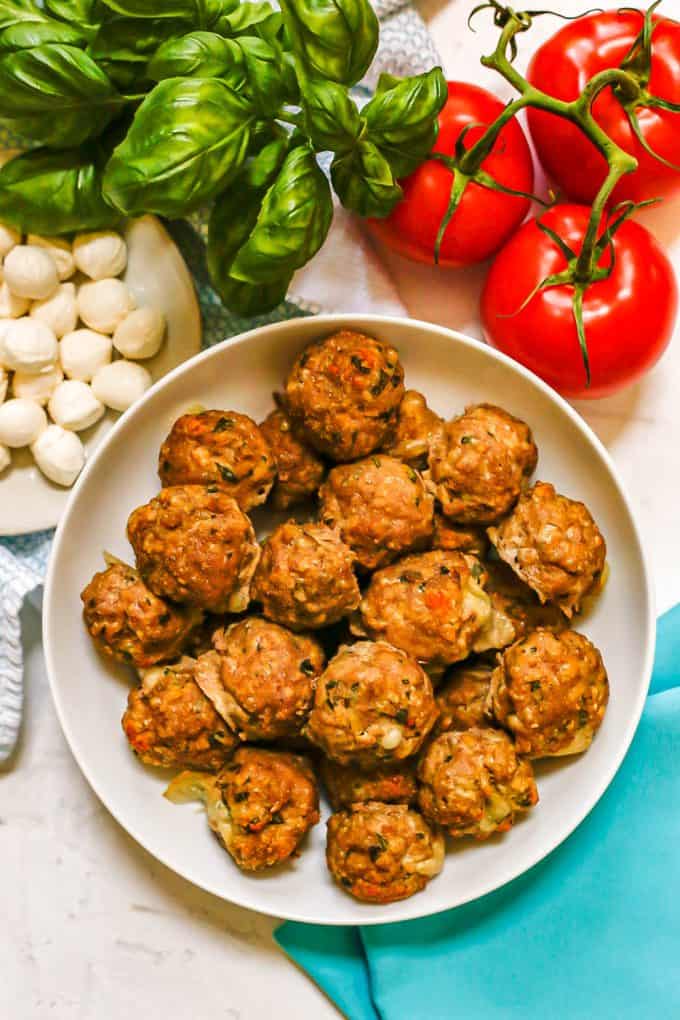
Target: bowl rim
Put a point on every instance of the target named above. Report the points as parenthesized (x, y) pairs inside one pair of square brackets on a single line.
[(407, 909)]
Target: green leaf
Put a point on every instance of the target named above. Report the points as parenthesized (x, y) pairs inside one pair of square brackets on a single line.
[(251, 19), (402, 119), (17, 12), (332, 119), (188, 139), (364, 181), (123, 46), (199, 54), (83, 13), (195, 11), (267, 82), (336, 39), (292, 224), (29, 34)]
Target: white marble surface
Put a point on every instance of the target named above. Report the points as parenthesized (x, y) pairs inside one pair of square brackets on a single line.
[(93, 928)]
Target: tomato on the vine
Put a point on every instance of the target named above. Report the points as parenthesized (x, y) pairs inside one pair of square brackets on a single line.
[(484, 218), (563, 66), (628, 316)]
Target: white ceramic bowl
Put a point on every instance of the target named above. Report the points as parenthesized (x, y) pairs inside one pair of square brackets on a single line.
[(90, 693)]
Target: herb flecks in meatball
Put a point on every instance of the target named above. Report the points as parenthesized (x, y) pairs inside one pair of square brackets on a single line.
[(415, 427), (300, 470), (372, 704), (462, 698), (131, 624), (194, 545), (345, 391), (473, 783), (392, 783), (305, 579), (222, 448), (479, 462), (465, 538), (261, 678), (380, 507), (170, 723), (381, 853), (550, 690), (554, 545)]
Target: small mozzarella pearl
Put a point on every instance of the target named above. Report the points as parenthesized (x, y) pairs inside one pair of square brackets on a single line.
[(59, 311), (21, 422), (60, 250), (83, 352), (30, 272), (74, 406), (59, 454), (11, 306), (104, 304), (120, 384), (391, 738), (5, 458), (100, 254), (37, 387), (9, 238), (28, 345), (140, 334)]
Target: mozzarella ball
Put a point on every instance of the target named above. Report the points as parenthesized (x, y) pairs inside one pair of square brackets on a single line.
[(30, 272), (21, 422), (104, 304), (37, 387), (4, 383), (4, 326), (59, 454), (28, 345), (11, 306), (140, 334), (100, 254), (120, 384), (5, 458), (83, 353), (9, 238), (60, 250), (74, 406), (59, 311)]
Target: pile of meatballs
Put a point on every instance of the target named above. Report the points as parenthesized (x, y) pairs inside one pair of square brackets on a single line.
[(406, 642)]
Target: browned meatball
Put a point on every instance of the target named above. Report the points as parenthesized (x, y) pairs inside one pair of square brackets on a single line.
[(473, 783), (194, 544), (260, 677), (380, 853), (554, 545), (551, 691), (479, 462), (380, 506), (372, 704), (416, 424), (260, 806), (170, 723), (462, 698), (348, 784), (131, 624), (221, 448), (345, 391), (430, 604), (459, 537), (516, 609), (305, 578), (300, 470)]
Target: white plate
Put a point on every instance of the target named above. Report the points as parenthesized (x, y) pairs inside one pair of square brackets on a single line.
[(157, 275), (90, 694)]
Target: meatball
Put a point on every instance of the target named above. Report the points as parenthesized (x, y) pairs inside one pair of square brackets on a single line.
[(554, 545), (459, 537), (479, 462), (305, 578), (260, 806), (300, 469), (345, 392), (551, 691), (131, 624), (260, 678), (473, 783), (380, 506), (462, 698), (430, 604), (170, 723), (416, 424), (348, 784), (194, 544), (372, 704), (380, 853), (222, 448), (516, 609)]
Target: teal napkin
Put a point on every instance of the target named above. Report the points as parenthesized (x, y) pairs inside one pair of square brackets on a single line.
[(590, 933)]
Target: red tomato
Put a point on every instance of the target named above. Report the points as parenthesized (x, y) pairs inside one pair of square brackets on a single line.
[(484, 219), (628, 317), (563, 65)]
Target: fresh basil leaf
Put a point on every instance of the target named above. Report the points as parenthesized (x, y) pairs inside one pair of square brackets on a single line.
[(364, 181), (251, 19), (188, 139), (83, 13), (262, 170), (123, 46), (293, 222), (332, 119), (199, 54), (337, 39), (402, 119), (387, 81), (56, 95), (29, 34), (18, 12), (267, 83), (198, 12)]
